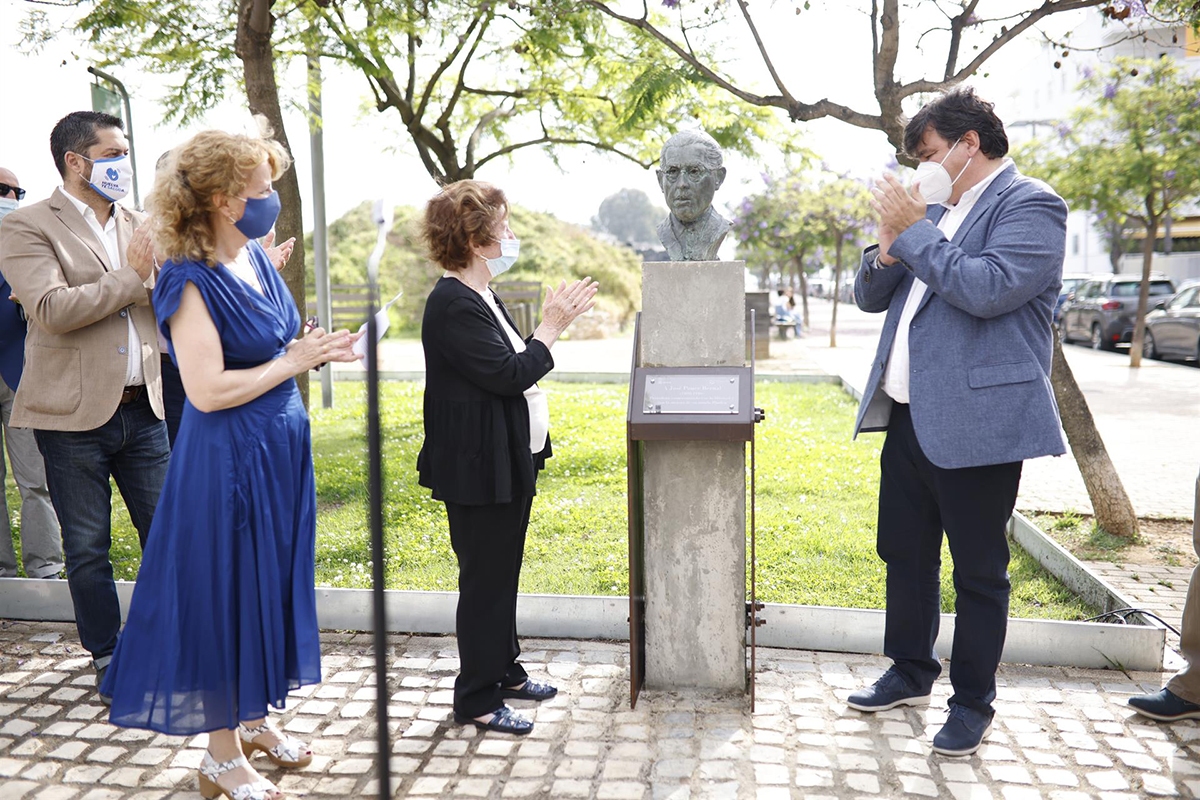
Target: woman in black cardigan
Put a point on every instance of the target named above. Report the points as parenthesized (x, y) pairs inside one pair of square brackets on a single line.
[(486, 437)]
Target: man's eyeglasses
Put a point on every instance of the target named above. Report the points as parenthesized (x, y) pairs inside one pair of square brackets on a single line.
[(17, 190), (693, 174)]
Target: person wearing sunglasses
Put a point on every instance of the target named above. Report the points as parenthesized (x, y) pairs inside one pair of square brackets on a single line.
[(41, 542), (82, 266)]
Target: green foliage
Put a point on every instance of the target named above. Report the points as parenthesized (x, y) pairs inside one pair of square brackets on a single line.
[(1133, 150), (464, 83), (797, 220), (629, 215), (551, 251)]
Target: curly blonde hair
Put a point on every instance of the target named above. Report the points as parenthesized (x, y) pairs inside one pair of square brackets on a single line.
[(461, 216), (210, 163)]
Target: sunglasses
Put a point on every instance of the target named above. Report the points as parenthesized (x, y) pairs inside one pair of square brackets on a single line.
[(17, 190)]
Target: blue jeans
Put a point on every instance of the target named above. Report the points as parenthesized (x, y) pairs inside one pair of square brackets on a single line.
[(131, 447), (173, 396)]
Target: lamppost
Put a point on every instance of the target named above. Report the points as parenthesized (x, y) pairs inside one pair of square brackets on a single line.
[(383, 222)]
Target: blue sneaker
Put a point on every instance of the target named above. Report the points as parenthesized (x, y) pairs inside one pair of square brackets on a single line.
[(963, 732), (1164, 706), (891, 690)]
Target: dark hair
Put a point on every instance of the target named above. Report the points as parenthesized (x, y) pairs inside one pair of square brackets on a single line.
[(76, 132), (461, 216), (952, 115)]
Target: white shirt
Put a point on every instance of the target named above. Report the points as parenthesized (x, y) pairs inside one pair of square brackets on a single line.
[(535, 397), (108, 237), (896, 373)]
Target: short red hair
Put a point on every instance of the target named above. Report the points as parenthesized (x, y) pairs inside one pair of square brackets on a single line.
[(462, 216)]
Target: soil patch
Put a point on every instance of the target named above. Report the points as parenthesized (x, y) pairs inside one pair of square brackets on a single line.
[(1165, 542)]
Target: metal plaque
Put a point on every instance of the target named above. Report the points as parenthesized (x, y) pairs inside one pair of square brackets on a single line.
[(691, 394)]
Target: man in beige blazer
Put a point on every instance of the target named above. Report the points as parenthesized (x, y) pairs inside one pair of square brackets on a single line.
[(83, 269)]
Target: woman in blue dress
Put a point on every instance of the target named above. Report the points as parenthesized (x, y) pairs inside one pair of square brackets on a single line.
[(223, 618)]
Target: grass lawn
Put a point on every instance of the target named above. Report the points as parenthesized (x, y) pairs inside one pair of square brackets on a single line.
[(816, 504)]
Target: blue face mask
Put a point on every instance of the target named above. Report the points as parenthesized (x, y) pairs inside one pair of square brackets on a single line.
[(259, 216)]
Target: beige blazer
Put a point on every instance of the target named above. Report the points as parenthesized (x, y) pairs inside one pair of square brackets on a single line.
[(75, 300)]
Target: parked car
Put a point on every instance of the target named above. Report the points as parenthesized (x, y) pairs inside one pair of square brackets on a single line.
[(1070, 282), (1102, 311), (1173, 328)]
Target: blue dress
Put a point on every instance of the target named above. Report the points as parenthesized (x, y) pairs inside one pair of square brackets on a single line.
[(223, 619)]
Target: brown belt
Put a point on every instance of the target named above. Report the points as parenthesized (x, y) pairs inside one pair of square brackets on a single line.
[(131, 393)]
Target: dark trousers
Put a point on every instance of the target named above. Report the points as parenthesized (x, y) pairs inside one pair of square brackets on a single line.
[(917, 501), (132, 448), (173, 397), (489, 542)]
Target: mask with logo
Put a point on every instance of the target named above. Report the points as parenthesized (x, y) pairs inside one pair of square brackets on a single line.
[(7, 206), (259, 216), (509, 250), (112, 178), (935, 182)]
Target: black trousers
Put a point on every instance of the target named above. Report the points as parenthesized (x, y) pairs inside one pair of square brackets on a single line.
[(917, 501), (489, 542), (173, 396)]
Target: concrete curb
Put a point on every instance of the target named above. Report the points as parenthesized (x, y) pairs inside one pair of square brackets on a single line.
[(840, 630)]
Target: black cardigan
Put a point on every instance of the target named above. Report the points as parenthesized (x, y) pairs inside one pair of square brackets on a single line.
[(476, 449)]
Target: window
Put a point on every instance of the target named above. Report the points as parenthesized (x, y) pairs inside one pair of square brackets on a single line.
[(1194, 300), (1182, 299), (1132, 288)]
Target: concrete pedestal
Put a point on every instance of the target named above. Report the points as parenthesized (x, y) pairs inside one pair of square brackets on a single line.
[(693, 315)]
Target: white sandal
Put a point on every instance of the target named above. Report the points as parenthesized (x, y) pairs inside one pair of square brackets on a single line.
[(210, 770), (289, 752)]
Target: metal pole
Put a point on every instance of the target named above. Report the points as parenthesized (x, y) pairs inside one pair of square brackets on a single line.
[(137, 197), (383, 219), (316, 144)]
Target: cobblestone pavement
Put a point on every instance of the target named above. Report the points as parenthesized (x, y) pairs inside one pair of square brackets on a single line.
[(1147, 418), (1156, 588), (1060, 734)]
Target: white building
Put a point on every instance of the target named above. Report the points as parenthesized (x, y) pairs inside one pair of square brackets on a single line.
[(1035, 98)]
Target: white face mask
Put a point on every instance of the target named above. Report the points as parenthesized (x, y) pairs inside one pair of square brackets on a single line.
[(112, 178), (7, 206), (509, 250), (935, 182)]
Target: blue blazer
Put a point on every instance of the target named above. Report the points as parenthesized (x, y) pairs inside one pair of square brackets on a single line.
[(980, 344), (12, 337)]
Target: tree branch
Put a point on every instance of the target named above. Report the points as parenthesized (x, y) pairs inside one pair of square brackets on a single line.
[(1046, 9), (957, 24), (445, 65), (503, 151), (444, 119), (762, 50)]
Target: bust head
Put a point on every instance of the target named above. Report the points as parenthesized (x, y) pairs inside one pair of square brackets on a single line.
[(690, 172)]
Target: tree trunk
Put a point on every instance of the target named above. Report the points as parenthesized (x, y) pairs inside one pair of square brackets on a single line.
[(1116, 246), (837, 290), (803, 290), (1139, 324), (1110, 504), (253, 45)]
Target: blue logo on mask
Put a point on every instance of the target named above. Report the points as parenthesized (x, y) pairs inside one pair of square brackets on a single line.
[(112, 174)]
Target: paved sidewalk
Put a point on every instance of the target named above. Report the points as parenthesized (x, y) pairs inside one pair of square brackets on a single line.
[(1154, 587), (1060, 734), (1147, 417)]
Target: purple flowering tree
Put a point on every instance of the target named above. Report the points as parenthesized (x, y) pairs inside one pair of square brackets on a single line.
[(971, 33), (1132, 155)]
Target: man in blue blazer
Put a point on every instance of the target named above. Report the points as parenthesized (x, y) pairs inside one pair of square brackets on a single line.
[(968, 266), (41, 541)]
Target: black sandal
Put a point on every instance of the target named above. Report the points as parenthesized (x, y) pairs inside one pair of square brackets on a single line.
[(532, 690), (504, 720)]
